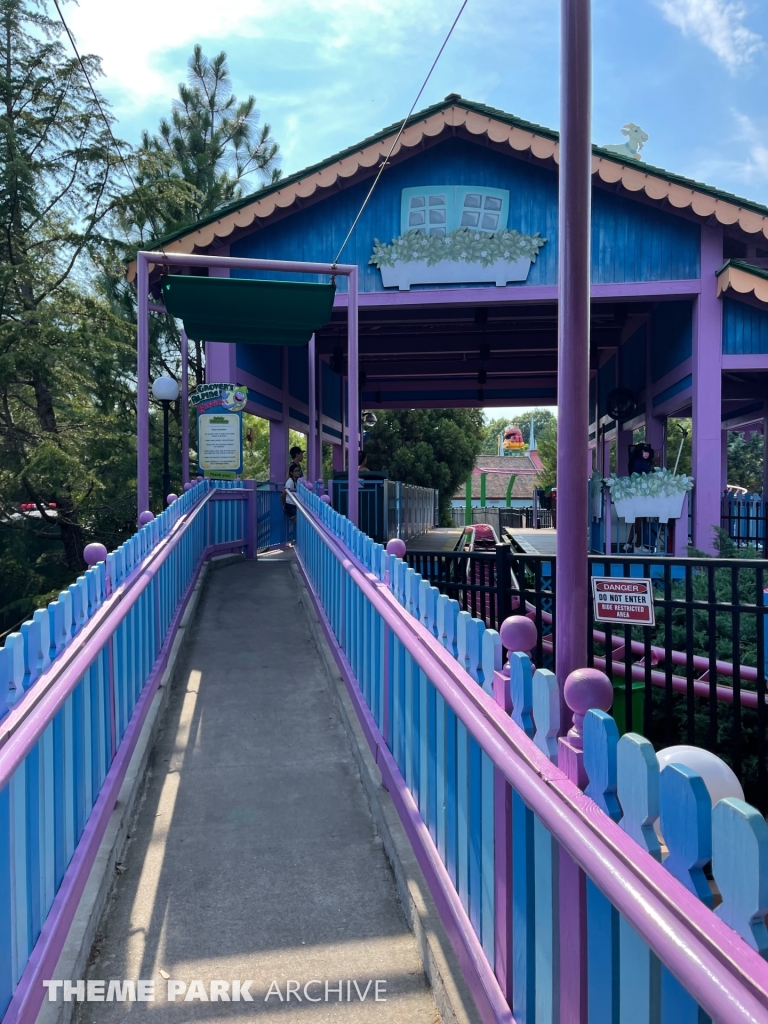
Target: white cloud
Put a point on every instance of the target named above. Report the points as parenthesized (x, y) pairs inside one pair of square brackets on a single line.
[(755, 166), (740, 160), (132, 48), (719, 25)]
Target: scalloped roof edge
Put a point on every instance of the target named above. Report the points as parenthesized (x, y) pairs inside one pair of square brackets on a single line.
[(499, 126)]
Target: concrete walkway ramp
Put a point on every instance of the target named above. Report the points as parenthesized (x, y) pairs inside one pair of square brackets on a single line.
[(253, 856)]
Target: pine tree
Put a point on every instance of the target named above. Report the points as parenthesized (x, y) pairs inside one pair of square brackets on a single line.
[(57, 187)]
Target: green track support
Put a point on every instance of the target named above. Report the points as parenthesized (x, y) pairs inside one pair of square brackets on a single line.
[(468, 503), (482, 489), (510, 485)]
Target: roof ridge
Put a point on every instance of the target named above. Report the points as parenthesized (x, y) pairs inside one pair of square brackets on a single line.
[(481, 108), (744, 265)]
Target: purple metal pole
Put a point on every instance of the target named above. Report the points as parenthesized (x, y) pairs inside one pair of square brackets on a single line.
[(312, 433), (353, 378), (142, 383), (319, 393), (573, 341), (184, 408), (707, 393)]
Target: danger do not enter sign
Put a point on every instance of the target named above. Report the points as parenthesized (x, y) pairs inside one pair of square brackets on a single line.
[(623, 599)]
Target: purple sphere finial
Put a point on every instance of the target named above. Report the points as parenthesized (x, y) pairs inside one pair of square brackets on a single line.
[(325, 498), (146, 517), (584, 689), (199, 479), (518, 633), (93, 553), (171, 498), (396, 547), (187, 486), (309, 485)]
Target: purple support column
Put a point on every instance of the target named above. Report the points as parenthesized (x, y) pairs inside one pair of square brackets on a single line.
[(344, 425), (681, 532), (319, 393), (220, 365), (278, 451), (184, 408), (724, 460), (279, 435), (607, 522), (312, 432), (354, 394), (584, 689), (502, 814), (573, 339), (707, 393), (142, 383)]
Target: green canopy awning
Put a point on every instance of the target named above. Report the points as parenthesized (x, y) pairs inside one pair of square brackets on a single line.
[(233, 309)]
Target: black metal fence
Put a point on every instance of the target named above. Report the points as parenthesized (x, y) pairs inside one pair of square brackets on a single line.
[(697, 676), (500, 518), (743, 520)]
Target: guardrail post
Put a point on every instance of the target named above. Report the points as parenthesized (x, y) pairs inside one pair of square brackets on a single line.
[(503, 583), (250, 518), (584, 689), (502, 812)]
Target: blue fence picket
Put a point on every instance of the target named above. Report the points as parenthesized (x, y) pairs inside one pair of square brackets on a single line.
[(46, 805)]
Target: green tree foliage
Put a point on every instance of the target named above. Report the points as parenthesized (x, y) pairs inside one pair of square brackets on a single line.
[(745, 461), (65, 405), (68, 221), (256, 447), (209, 153), (205, 156), (679, 433), (745, 457), (428, 447)]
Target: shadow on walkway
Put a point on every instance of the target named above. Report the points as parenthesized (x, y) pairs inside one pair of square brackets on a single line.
[(253, 855)]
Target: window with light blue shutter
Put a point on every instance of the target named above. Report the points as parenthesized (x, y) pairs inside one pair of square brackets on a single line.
[(438, 209)]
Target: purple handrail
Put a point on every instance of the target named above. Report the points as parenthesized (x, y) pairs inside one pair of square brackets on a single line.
[(730, 981), (22, 729)]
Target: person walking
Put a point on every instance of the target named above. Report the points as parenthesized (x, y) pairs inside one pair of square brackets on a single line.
[(290, 503), (641, 460), (297, 457)]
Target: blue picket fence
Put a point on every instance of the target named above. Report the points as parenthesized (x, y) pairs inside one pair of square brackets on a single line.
[(555, 899), (77, 682), (743, 519), (272, 528)]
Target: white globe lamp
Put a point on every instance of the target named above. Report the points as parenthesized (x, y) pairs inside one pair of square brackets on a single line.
[(165, 390)]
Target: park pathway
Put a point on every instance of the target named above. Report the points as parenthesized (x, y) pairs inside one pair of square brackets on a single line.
[(253, 854)]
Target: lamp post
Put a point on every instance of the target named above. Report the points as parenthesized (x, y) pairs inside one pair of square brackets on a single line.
[(165, 390)]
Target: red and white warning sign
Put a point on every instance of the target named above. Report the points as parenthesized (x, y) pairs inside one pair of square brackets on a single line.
[(623, 599)]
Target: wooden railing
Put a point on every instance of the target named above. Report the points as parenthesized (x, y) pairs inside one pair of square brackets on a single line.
[(539, 848)]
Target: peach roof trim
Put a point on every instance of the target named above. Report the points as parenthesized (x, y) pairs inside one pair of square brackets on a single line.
[(742, 282), (634, 179)]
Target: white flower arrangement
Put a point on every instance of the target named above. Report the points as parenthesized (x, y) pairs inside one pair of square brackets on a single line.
[(460, 244), (661, 483)]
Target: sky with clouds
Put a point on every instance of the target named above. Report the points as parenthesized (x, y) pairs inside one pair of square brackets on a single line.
[(328, 73)]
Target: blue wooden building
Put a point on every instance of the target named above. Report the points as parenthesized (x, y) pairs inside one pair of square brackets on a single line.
[(458, 254)]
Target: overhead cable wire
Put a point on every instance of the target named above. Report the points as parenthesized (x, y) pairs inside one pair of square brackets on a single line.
[(97, 99), (385, 162)]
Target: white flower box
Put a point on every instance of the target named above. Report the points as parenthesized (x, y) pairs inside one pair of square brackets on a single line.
[(662, 507), (500, 272)]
